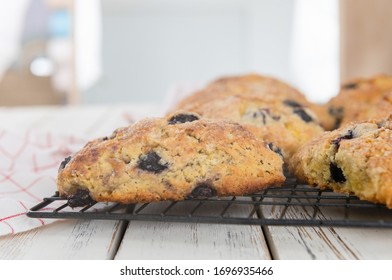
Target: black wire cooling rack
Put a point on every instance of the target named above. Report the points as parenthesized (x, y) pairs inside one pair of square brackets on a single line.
[(291, 205)]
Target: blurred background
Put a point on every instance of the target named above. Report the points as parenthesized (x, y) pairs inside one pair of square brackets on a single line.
[(136, 51)]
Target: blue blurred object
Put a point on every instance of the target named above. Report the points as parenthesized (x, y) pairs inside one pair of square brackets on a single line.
[(60, 23)]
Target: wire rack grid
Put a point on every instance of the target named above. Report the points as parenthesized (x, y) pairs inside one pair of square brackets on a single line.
[(291, 205)]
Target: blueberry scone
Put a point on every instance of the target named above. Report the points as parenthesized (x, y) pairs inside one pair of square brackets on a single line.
[(356, 159), (356, 97), (175, 158), (380, 109), (253, 86), (285, 125)]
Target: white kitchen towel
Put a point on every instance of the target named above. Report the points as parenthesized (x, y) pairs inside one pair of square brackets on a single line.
[(28, 168)]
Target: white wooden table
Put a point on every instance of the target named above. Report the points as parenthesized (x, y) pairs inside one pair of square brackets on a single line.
[(96, 239)]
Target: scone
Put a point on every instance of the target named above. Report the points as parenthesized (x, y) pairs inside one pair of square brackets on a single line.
[(357, 96), (253, 86), (380, 109), (285, 125), (175, 158), (356, 158), (323, 112)]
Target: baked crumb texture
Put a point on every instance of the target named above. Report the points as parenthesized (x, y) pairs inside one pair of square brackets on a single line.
[(355, 159)]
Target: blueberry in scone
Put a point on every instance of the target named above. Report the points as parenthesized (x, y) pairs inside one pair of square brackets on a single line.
[(182, 118), (337, 114), (80, 198), (275, 148), (151, 162), (64, 162), (179, 157), (298, 109), (356, 159), (292, 103), (352, 85), (203, 190), (336, 173)]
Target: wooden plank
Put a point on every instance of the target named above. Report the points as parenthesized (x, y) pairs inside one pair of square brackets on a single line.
[(291, 242), (329, 243), (69, 239), (154, 240), (168, 240)]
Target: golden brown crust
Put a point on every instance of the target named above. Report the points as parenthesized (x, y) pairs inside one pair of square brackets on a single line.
[(285, 124), (380, 109), (255, 86), (165, 159), (357, 96), (356, 158), (251, 85)]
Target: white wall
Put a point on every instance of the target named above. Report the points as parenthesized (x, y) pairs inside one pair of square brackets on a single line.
[(315, 48), (149, 45)]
